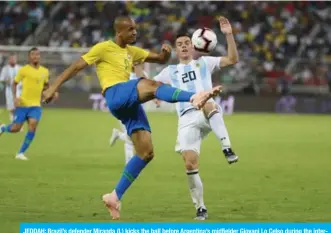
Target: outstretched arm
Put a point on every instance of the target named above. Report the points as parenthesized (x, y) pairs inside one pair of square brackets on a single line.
[(69, 73), (162, 57), (91, 57), (56, 94), (232, 56), (14, 91)]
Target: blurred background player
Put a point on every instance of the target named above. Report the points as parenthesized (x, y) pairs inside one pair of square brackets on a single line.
[(7, 76), (194, 125), (124, 97), (34, 78), (137, 71)]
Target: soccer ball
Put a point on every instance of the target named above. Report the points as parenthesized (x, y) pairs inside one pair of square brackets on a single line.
[(204, 40)]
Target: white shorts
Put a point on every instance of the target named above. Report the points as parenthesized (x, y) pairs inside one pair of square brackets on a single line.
[(193, 126), (10, 101)]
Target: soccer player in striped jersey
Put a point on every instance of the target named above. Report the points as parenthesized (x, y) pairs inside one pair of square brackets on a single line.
[(7, 76), (124, 97), (194, 125)]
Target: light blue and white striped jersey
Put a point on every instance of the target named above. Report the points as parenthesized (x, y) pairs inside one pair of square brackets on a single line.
[(193, 77), (8, 73)]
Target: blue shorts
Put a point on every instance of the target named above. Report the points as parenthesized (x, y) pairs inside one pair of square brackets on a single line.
[(122, 101), (24, 113)]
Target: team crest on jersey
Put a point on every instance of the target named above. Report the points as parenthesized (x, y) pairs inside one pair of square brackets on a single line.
[(129, 57), (197, 65)]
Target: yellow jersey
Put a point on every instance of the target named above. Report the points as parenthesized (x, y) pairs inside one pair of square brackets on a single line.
[(33, 81), (113, 63)]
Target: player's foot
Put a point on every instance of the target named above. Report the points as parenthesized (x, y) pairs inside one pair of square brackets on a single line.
[(202, 214), (199, 99), (113, 204), (21, 156), (114, 137), (230, 156), (0, 129)]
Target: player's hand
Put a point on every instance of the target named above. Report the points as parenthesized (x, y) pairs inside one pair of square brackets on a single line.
[(17, 102), (166, 48), (48, 95), (225, 25), (55, 96)]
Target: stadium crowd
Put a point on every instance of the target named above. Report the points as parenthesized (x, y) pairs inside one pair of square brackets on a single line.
[(20, 18), (270, 35)]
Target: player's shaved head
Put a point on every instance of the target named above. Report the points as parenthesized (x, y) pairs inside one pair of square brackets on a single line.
[(33, 49), (122, 22), (125, 29)]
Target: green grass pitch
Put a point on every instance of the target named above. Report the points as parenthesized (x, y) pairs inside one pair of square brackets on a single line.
[(283, 173)]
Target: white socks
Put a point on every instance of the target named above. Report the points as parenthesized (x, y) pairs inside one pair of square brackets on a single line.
[(128, 146), (129, 151), (218, 127), (196, 188), (124, 137)]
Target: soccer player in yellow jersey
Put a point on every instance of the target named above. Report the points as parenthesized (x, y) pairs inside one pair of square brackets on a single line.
[(34, 79), (113, 60)]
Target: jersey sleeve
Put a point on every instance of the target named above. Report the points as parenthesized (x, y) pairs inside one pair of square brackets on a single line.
[(19, 76), (95, 54), (163, 76), (212, 63), (139, 55)]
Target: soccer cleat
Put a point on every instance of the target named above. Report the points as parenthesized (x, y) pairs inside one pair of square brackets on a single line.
[(230, 156), (114, 137), (113, 204), (199, 99), (21, 156), (202, 214)]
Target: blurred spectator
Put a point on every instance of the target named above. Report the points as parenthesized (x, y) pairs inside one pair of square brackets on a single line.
[(328, 76), (19, 19)]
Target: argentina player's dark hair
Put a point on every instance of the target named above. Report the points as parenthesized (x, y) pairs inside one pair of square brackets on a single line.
[(182, 34)]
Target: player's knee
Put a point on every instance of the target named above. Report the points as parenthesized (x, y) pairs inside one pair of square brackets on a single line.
[(32, 129), (191, 165), (32, 125), (191, 160), (210, 109), (154, 85), (148, 156), (15, 128)]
